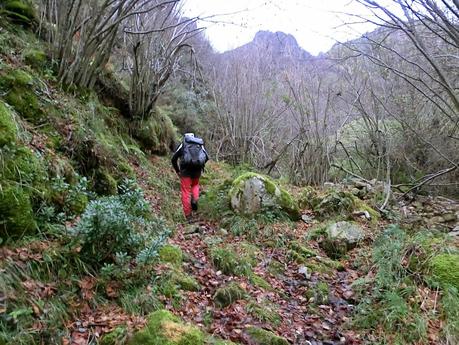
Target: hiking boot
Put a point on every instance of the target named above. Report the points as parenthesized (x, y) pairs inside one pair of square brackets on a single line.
[(194, 205), (189, 219)]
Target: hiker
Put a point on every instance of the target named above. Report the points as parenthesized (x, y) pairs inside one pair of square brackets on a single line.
[(193, 157)]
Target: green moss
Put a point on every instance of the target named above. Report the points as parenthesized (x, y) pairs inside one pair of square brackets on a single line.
[(308, 198), (445, 269), (156, 134), (263, 337), (280, 195), (163, 328), (228, 294), (334, 202), (17, 85), (185, 282), (8, 130), (319, 294), (229, 262), (35, 58), (77, 204), (105, 183), (264, 312), (260, 282), (360, 205), (276, 268), (16, 214), (171, 254), (116, 337), (21, 165), (302, 250), (20, 11)]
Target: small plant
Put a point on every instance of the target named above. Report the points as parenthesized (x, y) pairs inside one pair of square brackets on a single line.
[(120, 224)]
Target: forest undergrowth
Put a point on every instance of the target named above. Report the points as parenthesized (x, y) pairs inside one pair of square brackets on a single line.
[(95, 249)]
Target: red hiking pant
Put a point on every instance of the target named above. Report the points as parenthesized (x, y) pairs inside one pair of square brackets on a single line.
[(187, 185)]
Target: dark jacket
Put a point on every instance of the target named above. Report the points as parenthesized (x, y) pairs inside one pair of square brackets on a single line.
[(181, 169)]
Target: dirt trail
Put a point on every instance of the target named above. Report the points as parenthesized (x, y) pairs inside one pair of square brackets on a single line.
[(303, 321)]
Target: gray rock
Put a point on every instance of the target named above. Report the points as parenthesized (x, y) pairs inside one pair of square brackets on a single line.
[(349, 232), (307, 219), (341, 237)]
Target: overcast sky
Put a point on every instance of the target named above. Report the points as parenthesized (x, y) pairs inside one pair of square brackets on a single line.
[(316, 24)]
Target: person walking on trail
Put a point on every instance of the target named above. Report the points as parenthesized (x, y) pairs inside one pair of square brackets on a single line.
[(193, 157)]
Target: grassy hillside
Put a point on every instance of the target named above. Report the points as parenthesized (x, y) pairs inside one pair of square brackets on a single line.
[(94, 249)]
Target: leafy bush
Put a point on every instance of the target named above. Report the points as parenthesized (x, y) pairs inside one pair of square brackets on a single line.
[(120, 224)]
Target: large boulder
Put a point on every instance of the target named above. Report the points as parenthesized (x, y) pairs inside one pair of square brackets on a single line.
[(252, 193), (341, 237)]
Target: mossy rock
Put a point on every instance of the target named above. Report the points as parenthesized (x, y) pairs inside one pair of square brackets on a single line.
[(171, 254), (8, 130), (319, 293), (156, 133), (19, 90), (105, 183), (229, 262), (445, 269), (341, 237), (229, 294), (299, 252), (20, 12), (264, 312), (16, 214), (20, 164), (261, 336), (333, 202), (163, 328), (253, 193), (35, 58), (260, 282)]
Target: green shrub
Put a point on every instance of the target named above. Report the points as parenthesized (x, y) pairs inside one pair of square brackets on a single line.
[(8, 130), (120, 224)]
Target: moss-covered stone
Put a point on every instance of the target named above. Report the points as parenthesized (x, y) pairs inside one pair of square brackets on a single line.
[(319, 293), (253, 193), (229, 294), (20, 164), (156, 134), (35, 58), (229, 262), (299, 252), (20, 11), (263, 337), (360, 205), (185, 282), (334, 202), (163, 328), (8, 130), (264, 312), (445, 269), (16, 214), (105, 183), (171, 254), (260, 282), (19, 89)]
